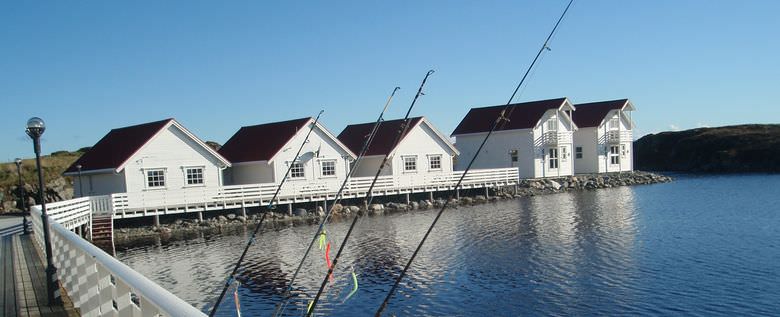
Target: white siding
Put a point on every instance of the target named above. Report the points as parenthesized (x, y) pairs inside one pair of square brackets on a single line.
[(250, 173), (587, 139), (496, 153), (100, 184), (421, 142), (328, 151), (626, 157), (172, 150), (532, 152), (369, 165)]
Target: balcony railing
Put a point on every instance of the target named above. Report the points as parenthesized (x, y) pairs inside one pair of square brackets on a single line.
[(555, 138), (616, 136)]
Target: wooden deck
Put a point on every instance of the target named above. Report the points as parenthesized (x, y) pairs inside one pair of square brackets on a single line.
[(24, 277)]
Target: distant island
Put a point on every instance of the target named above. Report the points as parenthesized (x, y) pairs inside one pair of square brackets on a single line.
[(751, 148)]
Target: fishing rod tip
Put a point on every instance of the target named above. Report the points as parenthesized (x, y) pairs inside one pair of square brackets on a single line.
[(431, 71)]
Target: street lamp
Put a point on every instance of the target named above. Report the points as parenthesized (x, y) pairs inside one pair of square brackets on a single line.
[(81, 189), (18, 162), (35, 128)]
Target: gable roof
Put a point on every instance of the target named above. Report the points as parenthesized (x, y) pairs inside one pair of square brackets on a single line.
[(592, 114), (353, 136), (525, 115), (263, 141), (119, 145)]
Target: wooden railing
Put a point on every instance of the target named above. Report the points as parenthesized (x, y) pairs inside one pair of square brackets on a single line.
[(556, 137), (138, 203), (618, 136)]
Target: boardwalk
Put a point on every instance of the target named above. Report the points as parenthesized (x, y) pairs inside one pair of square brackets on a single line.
[(23, 278)]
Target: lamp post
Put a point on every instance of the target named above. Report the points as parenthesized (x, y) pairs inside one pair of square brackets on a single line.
[(81, 189), (35, 128), (18, 162)]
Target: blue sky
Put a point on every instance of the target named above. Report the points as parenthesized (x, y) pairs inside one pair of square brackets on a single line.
[(89, 66)]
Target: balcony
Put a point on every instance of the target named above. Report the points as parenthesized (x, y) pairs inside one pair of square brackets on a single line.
[(615, 136)]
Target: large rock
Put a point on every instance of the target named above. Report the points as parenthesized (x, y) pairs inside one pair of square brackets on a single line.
[(337, 208), (375, 207), (300, 212), (555, 185), (353, 209)]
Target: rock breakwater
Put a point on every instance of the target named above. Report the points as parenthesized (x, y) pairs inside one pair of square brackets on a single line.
[(191, 228)]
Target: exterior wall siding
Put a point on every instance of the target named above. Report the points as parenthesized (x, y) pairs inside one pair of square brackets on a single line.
[(172, 151)]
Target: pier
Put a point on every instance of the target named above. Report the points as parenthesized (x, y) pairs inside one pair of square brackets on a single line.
[(23, 277)]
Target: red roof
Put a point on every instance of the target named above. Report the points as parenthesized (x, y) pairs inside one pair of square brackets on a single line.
[(261, 142), (117, 146), (355, 135), (593, 113), (521, 116)]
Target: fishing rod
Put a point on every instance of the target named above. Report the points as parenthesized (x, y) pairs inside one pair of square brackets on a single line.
[(500, 118), (369, 195), (369, 139), (251, 240)]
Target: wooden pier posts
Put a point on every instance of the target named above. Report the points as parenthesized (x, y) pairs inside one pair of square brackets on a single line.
[(157, 220)]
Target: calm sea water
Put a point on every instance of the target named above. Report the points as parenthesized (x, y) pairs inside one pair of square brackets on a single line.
[(701, 245)]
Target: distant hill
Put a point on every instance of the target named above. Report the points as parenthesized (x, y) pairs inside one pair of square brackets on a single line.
[(729, 149), (53, 166)]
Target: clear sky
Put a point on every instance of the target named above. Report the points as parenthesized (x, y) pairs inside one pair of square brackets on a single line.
[(86, 67)]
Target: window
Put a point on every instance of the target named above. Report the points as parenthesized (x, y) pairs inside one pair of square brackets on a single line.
[(193, 175), (553, 158), (614, 158), (410, 163), (434, 162), (578, 152), (613, 124), (552, 124), (297, 171), (622, 150), (564, 155), (513, 155), (328, 168), (155, 178)]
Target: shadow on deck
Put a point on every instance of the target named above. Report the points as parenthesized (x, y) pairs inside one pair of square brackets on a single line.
[(23, 279)]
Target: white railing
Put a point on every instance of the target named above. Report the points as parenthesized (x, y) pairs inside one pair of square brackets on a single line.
[(137, 203), (556, 137), (71, 213), (100, 285), (616, 136)]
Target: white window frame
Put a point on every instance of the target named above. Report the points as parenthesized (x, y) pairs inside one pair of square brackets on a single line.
[(185, 170), (293, 170), (552, 157), (552, 123), (430, 161), (578, 152), (322, 168), (403, 161), (613, 124), (164, 171), (514, 156), (614, 155)]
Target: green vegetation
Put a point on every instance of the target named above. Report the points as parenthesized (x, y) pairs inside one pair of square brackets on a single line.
[(53, 167)]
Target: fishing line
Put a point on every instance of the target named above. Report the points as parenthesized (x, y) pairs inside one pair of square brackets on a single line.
[(280, 308), (262, 218), (500, 118), (369, 194)]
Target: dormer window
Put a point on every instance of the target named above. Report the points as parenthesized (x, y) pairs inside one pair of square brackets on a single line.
[(613, 124), (552, 124)]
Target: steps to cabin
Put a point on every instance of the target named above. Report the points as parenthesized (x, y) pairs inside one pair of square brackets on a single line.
[(103, 232)]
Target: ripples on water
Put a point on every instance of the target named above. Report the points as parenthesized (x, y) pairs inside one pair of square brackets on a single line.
[(697, 246)]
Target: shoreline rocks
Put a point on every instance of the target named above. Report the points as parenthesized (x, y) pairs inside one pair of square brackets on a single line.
[(192, 228)]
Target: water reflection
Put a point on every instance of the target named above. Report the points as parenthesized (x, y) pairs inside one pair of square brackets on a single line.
[(627, 250)]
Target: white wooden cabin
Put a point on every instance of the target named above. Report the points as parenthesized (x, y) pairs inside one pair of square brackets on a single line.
[(262, 153), (604, 141), (537, 138), (151, 159), (422, 150)]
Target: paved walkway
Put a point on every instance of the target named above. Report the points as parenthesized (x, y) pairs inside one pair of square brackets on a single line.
[(23, 279)]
